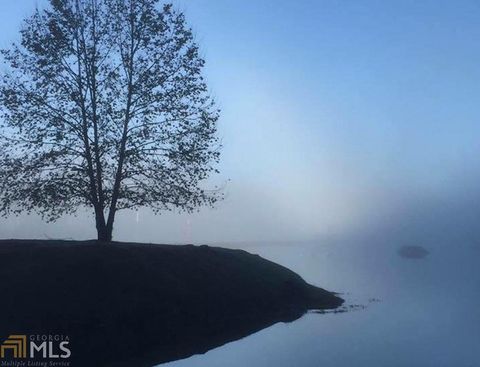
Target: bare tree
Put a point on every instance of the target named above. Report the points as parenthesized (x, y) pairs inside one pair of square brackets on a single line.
[(104, 105)]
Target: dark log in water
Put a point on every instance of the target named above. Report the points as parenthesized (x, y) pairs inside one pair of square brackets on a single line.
[(413, 252)]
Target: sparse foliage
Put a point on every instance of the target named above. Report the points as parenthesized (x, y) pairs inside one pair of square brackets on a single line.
[(104, 105)]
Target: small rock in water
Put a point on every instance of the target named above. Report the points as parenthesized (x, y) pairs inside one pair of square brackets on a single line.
[(413, 252)]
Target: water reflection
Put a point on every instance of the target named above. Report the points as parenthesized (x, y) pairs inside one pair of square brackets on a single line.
[(418, 313)]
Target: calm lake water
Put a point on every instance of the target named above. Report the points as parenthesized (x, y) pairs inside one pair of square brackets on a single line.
[(419, 312)]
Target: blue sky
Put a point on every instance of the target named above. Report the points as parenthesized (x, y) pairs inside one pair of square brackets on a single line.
[(335, 114)]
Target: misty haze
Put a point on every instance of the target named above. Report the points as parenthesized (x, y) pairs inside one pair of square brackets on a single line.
[(336, 140)]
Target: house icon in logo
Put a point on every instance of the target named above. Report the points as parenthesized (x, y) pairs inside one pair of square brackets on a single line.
[(15, 343)]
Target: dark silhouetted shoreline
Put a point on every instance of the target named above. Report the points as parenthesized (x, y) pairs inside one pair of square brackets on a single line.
[(139, 305)]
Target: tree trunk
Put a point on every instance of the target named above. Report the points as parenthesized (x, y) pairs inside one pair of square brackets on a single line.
[(104, 235), (104, 231)]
